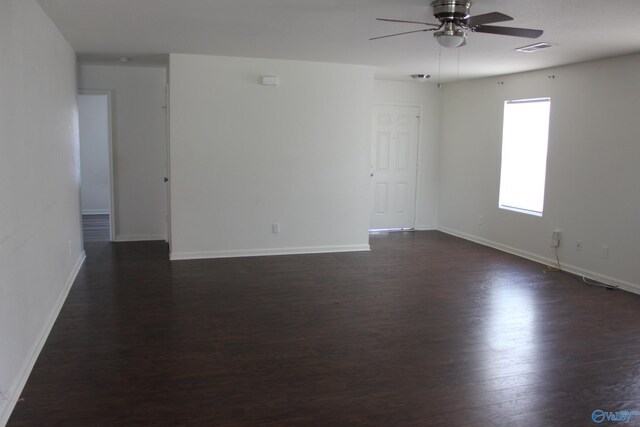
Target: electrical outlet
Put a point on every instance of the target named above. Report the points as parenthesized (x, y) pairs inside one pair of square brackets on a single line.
[(604, 252), (480, 220), (275, 228), (555, 238), (579, 245)]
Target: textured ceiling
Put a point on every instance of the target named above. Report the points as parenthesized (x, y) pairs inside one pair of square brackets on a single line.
[(338, 31)]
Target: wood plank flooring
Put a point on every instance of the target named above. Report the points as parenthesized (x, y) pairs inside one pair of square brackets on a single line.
[(425, 330)]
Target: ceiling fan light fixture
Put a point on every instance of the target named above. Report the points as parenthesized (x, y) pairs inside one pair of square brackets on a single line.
[(450, 41), (450, 37)]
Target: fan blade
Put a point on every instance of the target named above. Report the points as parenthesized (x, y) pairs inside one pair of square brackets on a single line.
[(406, 32), (408, 22), (509, 31), (488, 18)]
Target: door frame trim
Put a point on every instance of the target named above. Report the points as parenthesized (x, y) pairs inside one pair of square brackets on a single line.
[(167, 109), (112, 190)]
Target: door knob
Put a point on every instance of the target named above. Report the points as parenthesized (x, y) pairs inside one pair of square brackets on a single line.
[(166, 179)]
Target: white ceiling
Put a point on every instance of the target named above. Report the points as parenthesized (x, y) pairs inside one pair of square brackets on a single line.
[(338, 31)]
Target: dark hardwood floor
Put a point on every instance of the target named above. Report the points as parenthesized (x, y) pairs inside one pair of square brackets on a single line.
[(425, 330)]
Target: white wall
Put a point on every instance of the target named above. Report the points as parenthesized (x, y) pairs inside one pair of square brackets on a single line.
[(428, 97), (139, 146), (245, 156), (94, 153), (592, 191), (40, 235)]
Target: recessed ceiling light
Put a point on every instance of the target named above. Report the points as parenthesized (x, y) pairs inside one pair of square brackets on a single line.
[(534, 47), (420, 77), (125, 59)]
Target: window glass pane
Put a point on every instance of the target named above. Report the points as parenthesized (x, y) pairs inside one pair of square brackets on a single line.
[(525, 139)]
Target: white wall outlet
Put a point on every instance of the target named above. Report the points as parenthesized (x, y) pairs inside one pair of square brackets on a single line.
[(275, 228), (269, 80), (555, 238), (480, 220), (604, 252), (579, 245)]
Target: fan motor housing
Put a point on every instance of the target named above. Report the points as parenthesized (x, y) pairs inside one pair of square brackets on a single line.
[(451, 10)]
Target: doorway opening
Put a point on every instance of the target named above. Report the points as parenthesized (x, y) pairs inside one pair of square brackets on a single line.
[(96, 170)]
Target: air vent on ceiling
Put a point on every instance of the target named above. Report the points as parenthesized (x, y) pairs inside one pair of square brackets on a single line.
[(534, 47)]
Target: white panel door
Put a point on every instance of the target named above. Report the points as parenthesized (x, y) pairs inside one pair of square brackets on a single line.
[(394, 163)]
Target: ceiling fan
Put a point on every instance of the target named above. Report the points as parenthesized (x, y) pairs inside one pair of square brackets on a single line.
[(454, 19)]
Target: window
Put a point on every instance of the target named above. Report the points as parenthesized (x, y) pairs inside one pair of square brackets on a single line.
[(525, 137)]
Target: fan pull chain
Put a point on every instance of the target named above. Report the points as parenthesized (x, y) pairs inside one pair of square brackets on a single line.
[(439, 66), (458, 73)]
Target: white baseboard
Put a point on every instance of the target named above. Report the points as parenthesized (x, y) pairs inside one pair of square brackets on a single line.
[(8, 401), (627, 286), (96, 212), (140, 237), (426, 228), (176, 256)]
